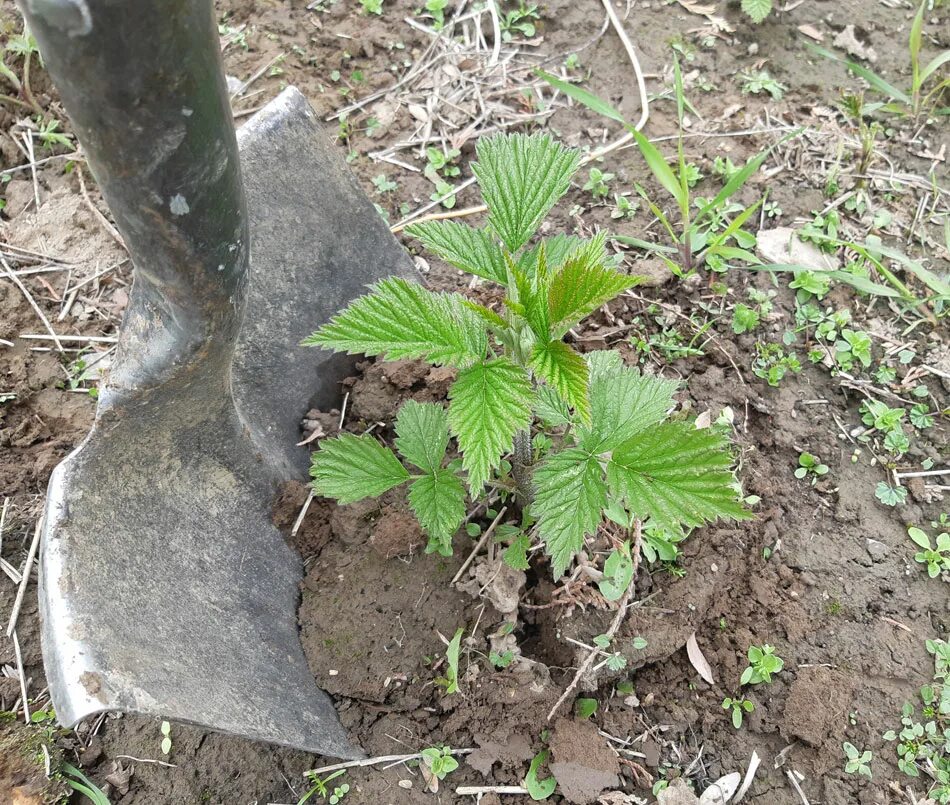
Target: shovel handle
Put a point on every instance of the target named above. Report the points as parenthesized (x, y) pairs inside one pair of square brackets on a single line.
[(144, 87)]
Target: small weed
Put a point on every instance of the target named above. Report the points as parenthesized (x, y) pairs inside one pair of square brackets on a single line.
[(78, 782), (372, 6), (383, 184), (758, 82), (810, 466), (624, 209), (451, 679), (519, 21), (915, 99), (772, 363), (321, 786), (539, 789), (890, 495), (585, 708), (436, 9), (439, 760), (738, 707), (50, 136), (923, 748), (763, 662), (858, 762), (598, 183), (166, 730), (935, 555)]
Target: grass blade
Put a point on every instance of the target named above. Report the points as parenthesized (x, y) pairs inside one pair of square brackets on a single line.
[(581, 95), (872, 78)]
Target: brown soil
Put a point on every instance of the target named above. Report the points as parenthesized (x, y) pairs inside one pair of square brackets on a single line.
[(839, 594)]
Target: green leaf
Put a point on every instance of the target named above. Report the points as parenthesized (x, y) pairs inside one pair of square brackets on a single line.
[(557, 250), (591, 101), (521, 177), (675, 475), (579, 288), (758, 10), (564, 370), (624, 403), (658, 166), (400, 319), (550, 408), (349, 468), (569, 494), (871, 77), (585, 708), (438, 501), (422, 434), (488, 404), (539, 790), (935, 64), (604, 363), (919, 537), (471, 250)]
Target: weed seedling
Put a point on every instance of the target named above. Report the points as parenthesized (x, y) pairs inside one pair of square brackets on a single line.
[(519, 21), (758, 82), (624, 209), (935, 555), (890, 495), (451, 679), (857, 762), (598, 183), (922, 94), (539, 789), (772, 363), (516, 374), (439, 760), (78, 782), (585, 708), (763, 662), (321, 787), (810, 466), (372, 6), (738, 707), (436, 9), (166, 730), (703, 235)]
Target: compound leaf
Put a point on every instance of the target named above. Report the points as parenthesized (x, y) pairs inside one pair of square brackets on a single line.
[(400, 319), (349, 468), (521, 177), (569, 494), (566, 372), (438, 501), (473, 250), (624, 403), (675, 475), (488, 403), (579, 288), (422, 434)]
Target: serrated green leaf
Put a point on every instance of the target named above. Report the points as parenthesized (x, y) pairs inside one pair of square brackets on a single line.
[(532, 295), (569, 494), (624, 403), (560, 247), (757, 10), (550, 408), (579, 288), (422, 434), (566, 372), (488, 403), (438, 501), (400, 319), (473, 250), (604, 363), (521, 177), (349, 468), (675, 475)]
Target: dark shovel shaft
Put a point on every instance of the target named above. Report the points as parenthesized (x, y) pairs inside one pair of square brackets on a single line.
[(143, 85)]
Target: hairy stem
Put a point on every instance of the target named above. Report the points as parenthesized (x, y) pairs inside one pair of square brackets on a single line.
[(521, 466)]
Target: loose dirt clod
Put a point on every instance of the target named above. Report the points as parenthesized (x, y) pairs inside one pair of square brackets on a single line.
[(583, 763)]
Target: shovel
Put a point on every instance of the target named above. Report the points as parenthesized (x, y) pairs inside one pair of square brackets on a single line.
[(165, 590)]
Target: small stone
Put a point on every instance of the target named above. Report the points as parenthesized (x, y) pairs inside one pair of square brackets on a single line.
[(407, 784), (877, 549), (678, 793), (753, 48)]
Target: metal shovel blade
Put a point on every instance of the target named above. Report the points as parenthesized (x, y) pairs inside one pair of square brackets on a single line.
[(165, 589)]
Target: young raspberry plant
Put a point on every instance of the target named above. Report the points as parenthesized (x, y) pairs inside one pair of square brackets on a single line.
[(584, 432)]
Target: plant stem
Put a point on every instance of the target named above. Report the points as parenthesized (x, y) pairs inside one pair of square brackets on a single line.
[(521, 466)]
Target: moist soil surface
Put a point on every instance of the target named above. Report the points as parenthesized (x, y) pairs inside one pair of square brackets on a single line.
[(824, 572)]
